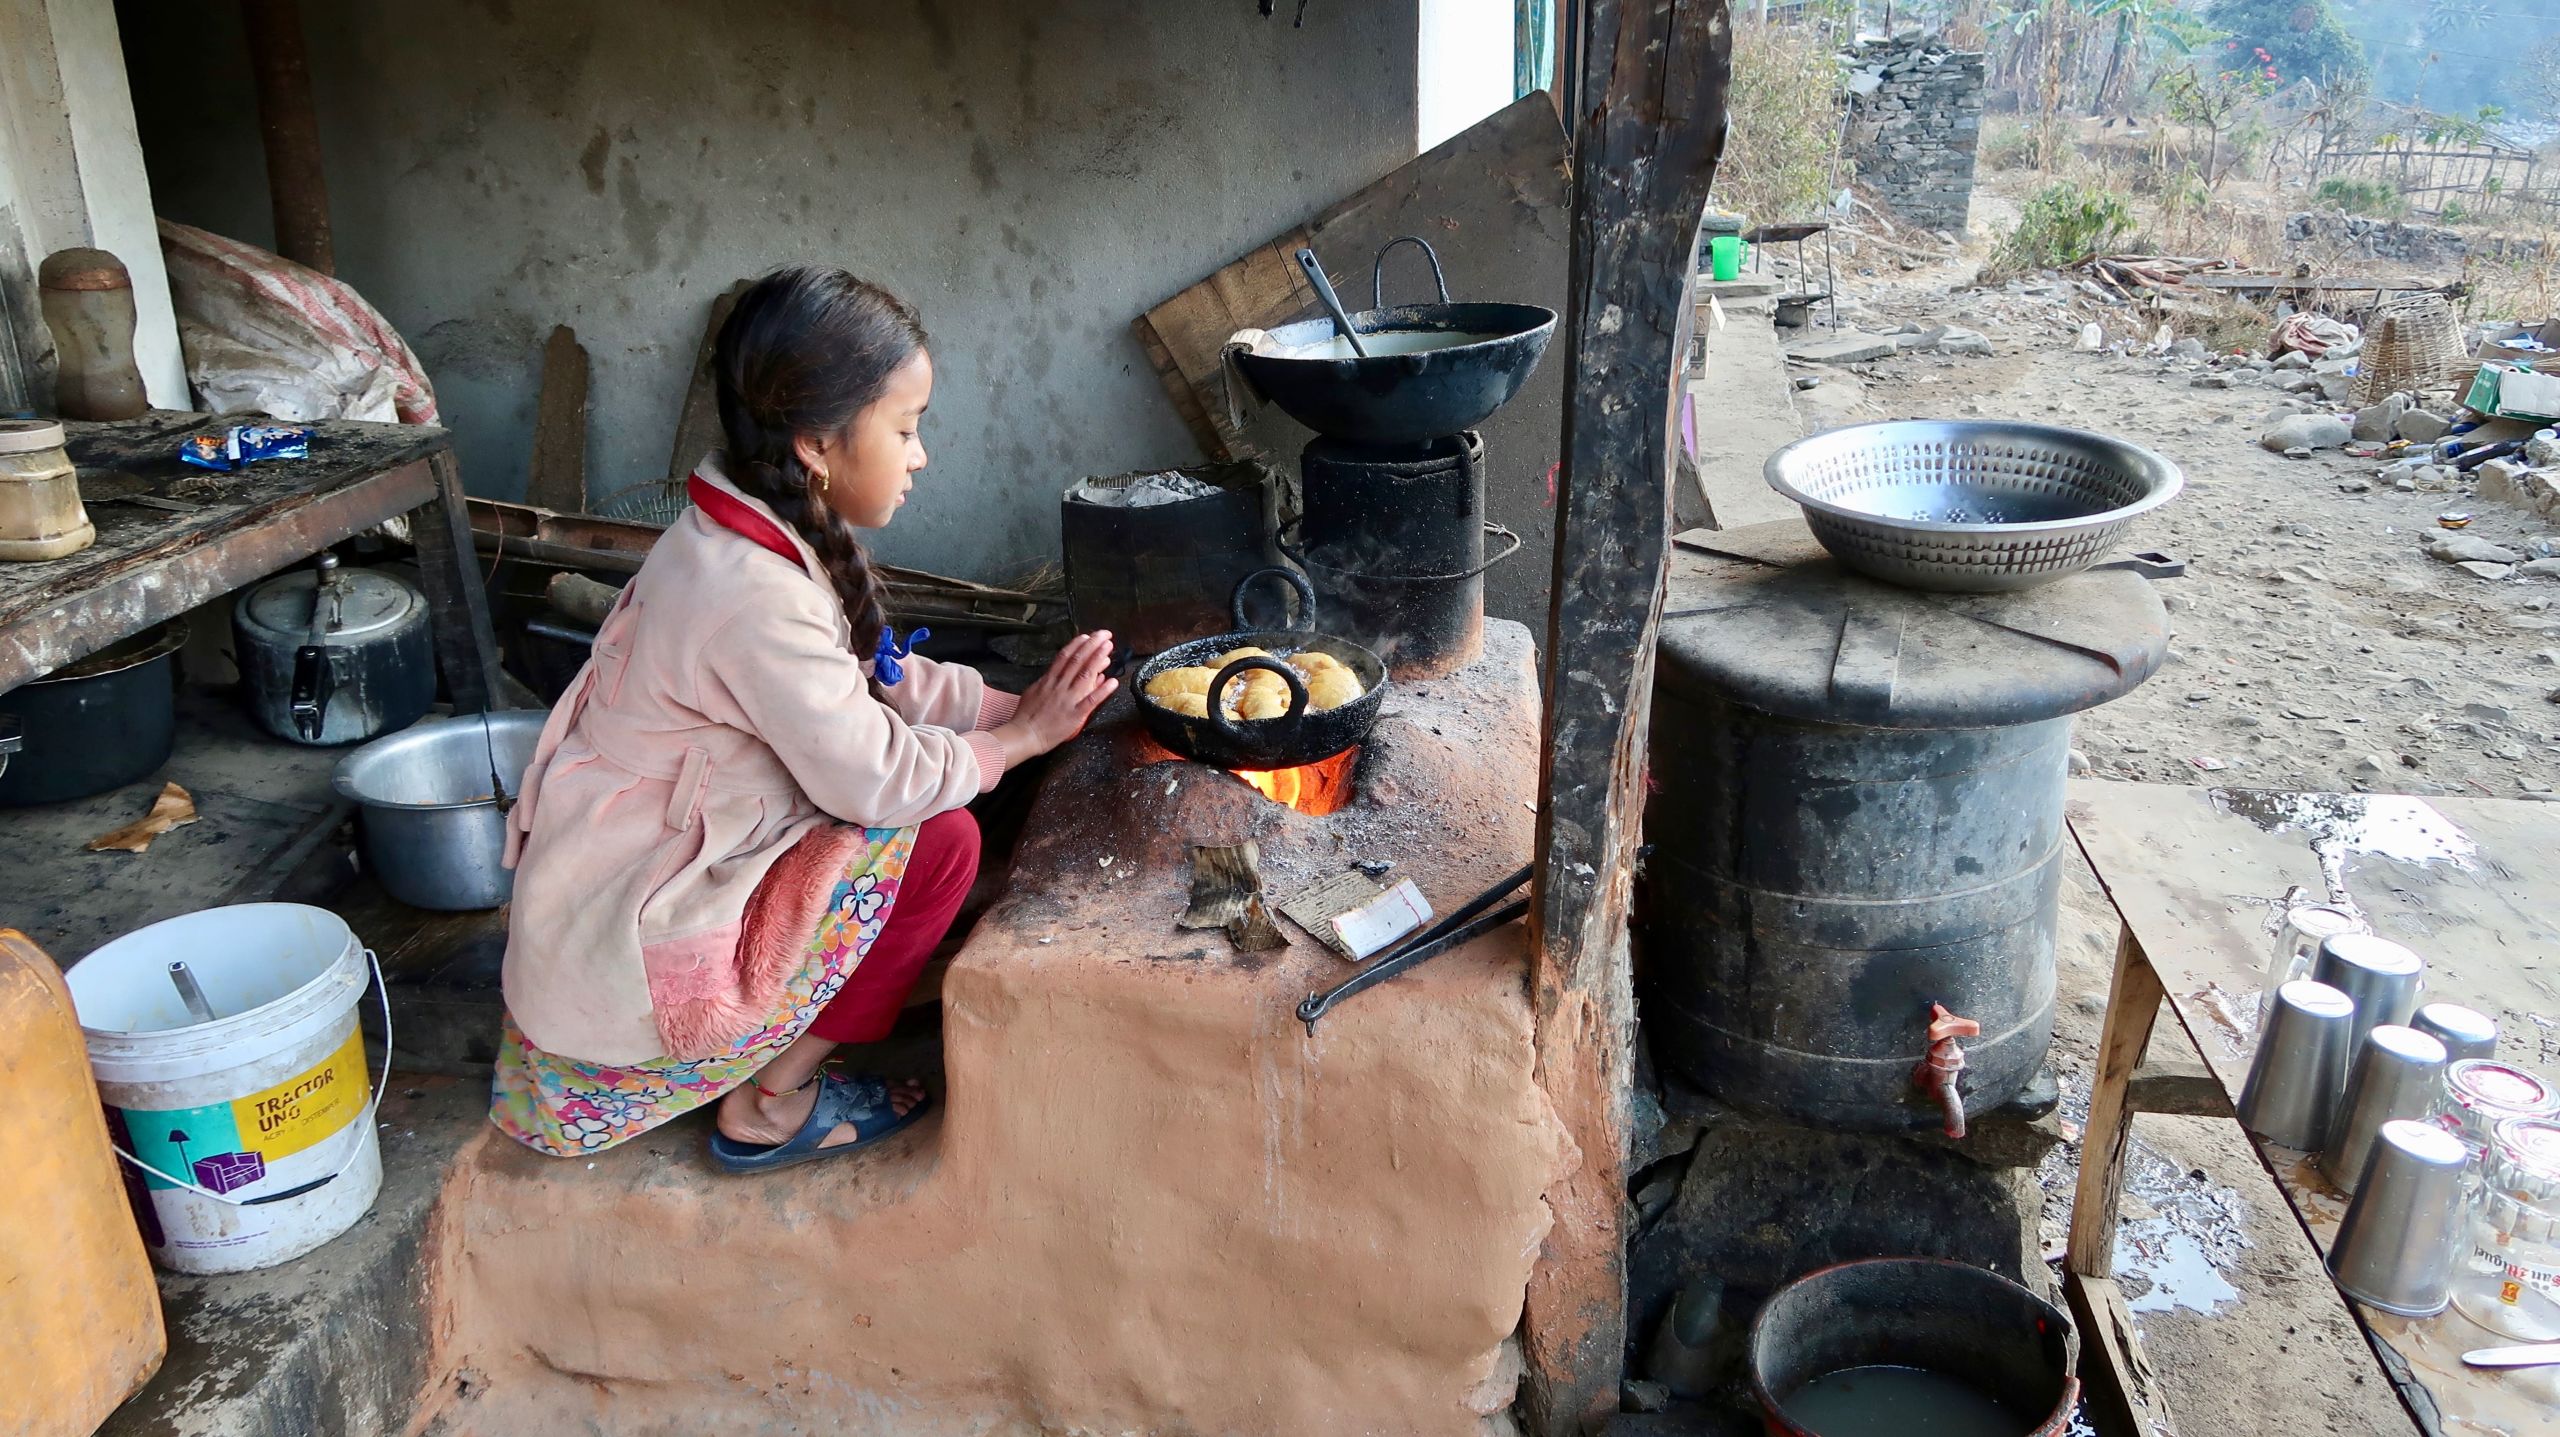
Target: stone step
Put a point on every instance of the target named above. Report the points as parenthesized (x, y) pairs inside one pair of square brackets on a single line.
[(336, 1341)]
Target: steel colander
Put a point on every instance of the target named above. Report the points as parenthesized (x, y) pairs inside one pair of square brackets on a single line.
[(1970, 506)]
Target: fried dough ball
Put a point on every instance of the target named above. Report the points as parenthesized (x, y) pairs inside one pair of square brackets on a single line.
[(1312, 662), (1187, 704), (1266, 696), (1166, 685), (1231, 655), (1332, 688)]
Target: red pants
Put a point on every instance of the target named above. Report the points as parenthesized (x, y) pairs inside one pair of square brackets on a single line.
[(939, 872)]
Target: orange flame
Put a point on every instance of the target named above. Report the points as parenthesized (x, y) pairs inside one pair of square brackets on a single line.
[(1314, 789)]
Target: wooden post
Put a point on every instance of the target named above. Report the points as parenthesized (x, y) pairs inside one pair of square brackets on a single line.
[(457, 597), (1649, 129), (297, 189)]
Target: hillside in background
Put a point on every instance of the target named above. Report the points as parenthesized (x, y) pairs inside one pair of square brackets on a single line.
[(2453, 56)]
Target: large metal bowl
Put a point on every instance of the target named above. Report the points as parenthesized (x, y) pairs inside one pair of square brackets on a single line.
[(434, 832), (1970, 506)]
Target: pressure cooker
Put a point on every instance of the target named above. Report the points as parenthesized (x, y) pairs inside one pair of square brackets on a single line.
[(333, 655)]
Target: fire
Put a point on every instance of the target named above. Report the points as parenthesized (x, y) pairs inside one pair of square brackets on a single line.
[(1314, 789)]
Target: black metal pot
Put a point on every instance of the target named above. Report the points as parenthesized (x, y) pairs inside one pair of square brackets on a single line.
[(1302, 735), (1402, 393), (1961, 1322), (97, 724)]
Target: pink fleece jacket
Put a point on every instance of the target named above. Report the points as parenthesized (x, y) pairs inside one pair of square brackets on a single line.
[(722, 717)]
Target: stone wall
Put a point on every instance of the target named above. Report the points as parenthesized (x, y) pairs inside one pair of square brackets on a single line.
[(1915, 118), (2345, 236)]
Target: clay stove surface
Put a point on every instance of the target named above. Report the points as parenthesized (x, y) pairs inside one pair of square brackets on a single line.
[(1150, 1202)]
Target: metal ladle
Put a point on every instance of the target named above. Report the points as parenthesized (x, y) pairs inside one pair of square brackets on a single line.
[(1332, 302)]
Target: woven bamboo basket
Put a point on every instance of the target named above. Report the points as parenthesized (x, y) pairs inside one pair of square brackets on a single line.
[(2415, 345)]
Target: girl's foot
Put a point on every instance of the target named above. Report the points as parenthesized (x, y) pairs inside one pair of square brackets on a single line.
[(749, 1117)]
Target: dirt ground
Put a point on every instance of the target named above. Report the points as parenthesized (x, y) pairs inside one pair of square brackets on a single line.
[(2315, 646)]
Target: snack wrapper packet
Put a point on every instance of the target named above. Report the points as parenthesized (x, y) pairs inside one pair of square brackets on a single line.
[(243, 445)]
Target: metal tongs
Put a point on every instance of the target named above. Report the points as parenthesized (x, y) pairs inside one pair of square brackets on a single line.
[(1470, 922)]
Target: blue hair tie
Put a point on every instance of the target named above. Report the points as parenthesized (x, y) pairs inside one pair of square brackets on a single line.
[(884, 664)]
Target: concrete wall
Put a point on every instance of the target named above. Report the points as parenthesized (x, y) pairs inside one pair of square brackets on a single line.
[(1915, 123), (1032, 175), (71, 175)]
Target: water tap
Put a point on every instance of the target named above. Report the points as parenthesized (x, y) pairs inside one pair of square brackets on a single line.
[(1938, 1072)]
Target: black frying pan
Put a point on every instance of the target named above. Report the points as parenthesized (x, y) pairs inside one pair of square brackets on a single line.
[(1415, 384), (1301, 736)]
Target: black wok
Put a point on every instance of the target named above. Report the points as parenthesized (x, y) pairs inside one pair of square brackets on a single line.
[(1301, 736), (1415, 384)]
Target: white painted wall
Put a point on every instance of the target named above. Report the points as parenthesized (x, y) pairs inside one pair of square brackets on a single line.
[(1465, 65), (71, 174)]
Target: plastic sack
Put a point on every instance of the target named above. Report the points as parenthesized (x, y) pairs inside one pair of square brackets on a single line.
[(265, 335)]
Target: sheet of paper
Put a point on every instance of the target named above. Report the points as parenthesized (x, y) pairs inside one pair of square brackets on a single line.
[(1382, 920)]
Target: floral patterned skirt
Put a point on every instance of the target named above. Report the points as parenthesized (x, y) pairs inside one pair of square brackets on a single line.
[(567, 1108)]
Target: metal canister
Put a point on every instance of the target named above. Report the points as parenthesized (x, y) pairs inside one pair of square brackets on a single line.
[(2396, 1076), (2397, 1244), (2465, 1032), (2300, 1070), (2380, 976)]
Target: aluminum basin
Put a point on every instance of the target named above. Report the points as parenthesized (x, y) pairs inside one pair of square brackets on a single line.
[(433, 832)]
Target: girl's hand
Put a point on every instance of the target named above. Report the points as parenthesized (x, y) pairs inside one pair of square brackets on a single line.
[(1055, 707)]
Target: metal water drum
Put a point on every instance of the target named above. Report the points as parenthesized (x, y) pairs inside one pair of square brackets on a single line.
[(1857, 813)]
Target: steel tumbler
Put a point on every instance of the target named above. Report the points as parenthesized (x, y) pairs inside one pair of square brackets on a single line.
[(2396, 1248), (2465, 1032), (2398, 1073), (2379, 976), (2301, 1067)]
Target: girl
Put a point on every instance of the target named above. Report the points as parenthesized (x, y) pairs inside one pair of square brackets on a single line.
[(743, 832)]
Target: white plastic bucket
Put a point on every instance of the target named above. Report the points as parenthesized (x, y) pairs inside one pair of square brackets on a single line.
[(248, 1140)]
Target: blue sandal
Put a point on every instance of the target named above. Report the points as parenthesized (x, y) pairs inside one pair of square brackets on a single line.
[(863, 1102)]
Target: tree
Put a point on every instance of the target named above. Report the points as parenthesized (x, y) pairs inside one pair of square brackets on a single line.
[(2539, 84), (2298, 37)]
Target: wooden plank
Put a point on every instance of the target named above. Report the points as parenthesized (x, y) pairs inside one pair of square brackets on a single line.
[(2177, 1087), (556, 478), (698, 423), (1654, 80), (2133, 1005), (2118, 1378), (1184, 335), (210, 554), (457, 595)]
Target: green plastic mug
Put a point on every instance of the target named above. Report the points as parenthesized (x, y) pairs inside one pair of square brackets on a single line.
[(1724, 257)]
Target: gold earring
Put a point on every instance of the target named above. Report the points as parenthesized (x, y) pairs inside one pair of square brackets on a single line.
[(822, 481)]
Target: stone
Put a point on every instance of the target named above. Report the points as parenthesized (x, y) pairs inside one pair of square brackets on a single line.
[(2540, 568), (2300, 384), (2306, 431), (1850, 348), (2420, 426), (2405, 485), (1808, 381), (2355, 486), (1638, 1395), (2079, 764), (2093, 337), (2451, 548), (1965, 341), (2298, 451), (2334, 388), (2290, 359), (2212, 381), (2190, 348), (2374, 422), (2543, 448), (2486, 571), (2375, 763), (2501, 481)]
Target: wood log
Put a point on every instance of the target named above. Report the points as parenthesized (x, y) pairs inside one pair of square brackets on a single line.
[(1650, 129)]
